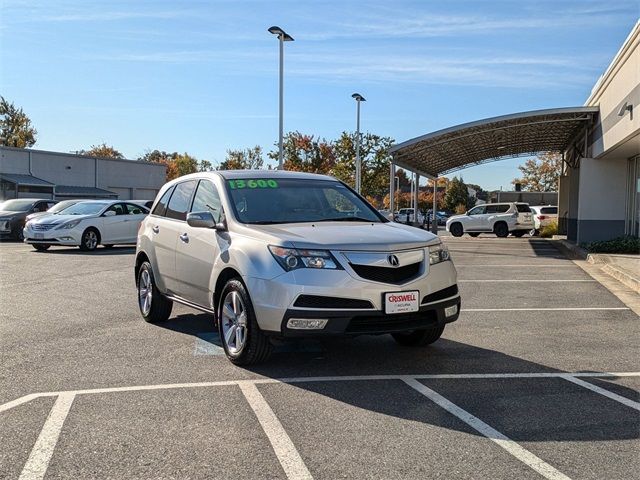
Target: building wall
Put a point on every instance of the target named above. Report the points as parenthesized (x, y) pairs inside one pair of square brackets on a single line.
[(130, 179), (601, 203)]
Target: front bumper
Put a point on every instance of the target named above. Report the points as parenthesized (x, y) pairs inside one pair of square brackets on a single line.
[(53, 237), (275, 300)]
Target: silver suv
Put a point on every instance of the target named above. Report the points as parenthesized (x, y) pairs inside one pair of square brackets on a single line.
[(285, 254), (498, 218)]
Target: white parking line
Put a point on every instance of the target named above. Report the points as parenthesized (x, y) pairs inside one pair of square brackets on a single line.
[(526, 280), (567, 264), (42, 451), (522, 454), (563, 309), (283, 447), (602, 391)]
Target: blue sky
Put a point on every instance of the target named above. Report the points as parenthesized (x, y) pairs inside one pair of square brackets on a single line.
[(201, 76)]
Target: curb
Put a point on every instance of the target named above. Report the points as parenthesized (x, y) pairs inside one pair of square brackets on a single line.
[(571, 250)]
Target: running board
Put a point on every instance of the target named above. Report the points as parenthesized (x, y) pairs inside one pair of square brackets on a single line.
[(187, 303)]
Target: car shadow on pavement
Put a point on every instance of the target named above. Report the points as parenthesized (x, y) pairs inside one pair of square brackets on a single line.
[(124, 250)]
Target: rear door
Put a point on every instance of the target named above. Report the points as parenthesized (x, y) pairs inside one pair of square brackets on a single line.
[(114, 228), (197, 248), (135, 215), (525, 217), (475, 219)]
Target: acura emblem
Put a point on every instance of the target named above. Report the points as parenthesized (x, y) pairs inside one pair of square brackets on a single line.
[(393, 260)]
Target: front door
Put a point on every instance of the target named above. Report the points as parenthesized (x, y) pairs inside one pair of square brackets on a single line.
[(114, 228)]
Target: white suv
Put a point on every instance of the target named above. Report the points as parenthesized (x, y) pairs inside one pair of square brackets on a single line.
[(286, 254), (543, 216), (498, 218)]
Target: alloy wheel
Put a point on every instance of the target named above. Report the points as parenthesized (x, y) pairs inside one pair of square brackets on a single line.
[(234, 322), (145, 292), (90, 240)]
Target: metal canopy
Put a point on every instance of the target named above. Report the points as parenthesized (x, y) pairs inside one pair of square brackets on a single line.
[(491, 139)]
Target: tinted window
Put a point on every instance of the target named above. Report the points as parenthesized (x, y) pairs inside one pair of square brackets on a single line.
[(118, 208), (523, 208), (161, 206), (553, 210), (497, 208), (477, 210), (289, 200), (180, 200), (207, 199), (133, 209)]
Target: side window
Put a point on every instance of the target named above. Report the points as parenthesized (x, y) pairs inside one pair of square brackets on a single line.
[(133, 209), (41, 207), (479, 210), (206, 199), (523, 208), (161, 206), (118, 208), (549, 210), (180, 200)]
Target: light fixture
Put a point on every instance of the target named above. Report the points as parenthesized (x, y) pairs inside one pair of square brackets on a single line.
[(282, 37), (624, 108)]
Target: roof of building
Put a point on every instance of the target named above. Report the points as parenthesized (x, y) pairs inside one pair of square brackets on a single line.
[(23, 179), (84, 191), (497, 138)]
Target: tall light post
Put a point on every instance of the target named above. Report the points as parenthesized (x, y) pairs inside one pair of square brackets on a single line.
[(282, 37), (359, 98)]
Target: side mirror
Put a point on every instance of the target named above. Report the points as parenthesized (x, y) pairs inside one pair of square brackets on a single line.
[(204, 220), (109, 213)]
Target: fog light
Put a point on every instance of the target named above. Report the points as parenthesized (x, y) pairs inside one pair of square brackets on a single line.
[(66, 238), (306, 323), (450, 311)]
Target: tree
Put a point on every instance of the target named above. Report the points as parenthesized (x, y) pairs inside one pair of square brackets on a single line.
[(15, 126), (103, 151), (457, 194), (205, 166), (177, 164), (247, 159), (305, 153), (540, 174), (481, 194)]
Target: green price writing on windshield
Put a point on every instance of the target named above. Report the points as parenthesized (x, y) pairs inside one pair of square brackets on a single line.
[(261, 183)]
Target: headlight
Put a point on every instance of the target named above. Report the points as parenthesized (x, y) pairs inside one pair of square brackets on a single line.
[(68, 225), (438, 253), (293, 258)]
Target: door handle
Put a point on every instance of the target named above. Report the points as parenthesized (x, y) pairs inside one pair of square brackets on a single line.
[(155, 229), (184, 237)]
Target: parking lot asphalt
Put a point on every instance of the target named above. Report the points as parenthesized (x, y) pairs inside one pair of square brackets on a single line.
[(538, 378)]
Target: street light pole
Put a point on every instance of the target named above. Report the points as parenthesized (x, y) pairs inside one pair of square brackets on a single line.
[(359, 98), (282, 37)]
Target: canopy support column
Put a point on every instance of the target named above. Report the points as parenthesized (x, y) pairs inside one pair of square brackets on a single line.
[(415, 198), (392, 187), (434, 218)]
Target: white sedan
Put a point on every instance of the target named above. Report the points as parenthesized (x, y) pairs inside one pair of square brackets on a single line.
[(87, 224)]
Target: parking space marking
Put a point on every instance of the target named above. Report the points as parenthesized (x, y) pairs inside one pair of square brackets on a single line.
[(21, 400), (42, 451), (566, 264), (559, 309), (522, 454), (502, 280), (602, 391), (283, 447)]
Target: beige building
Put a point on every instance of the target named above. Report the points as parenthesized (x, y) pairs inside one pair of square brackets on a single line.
[(27, 173)]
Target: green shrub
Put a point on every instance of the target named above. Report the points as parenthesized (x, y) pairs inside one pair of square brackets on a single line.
[(626, 244), (549, 230)]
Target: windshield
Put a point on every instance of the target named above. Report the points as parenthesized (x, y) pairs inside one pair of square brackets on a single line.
[(58, 207), (85, 208), (16, 205), (266, 201)]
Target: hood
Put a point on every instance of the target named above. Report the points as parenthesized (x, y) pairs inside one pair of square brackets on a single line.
[(453, 217), (56, 219), (347, 236), (31, 216), (10, 214)]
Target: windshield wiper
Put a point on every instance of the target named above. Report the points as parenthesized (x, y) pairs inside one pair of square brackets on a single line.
[(264, 222)]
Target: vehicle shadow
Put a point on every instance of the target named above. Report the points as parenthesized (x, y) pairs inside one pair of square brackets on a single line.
[(116, 250), (525, 409)]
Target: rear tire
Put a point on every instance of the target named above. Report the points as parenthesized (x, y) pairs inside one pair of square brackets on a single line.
[(90, 240), (456, 229), (418, 338), (154, 307), (501, 229), (243, 341), (41, 247), (519, 233), (474, 234)]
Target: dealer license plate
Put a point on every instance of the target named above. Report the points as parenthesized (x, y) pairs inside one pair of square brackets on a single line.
[(38, 236), (402, 302)]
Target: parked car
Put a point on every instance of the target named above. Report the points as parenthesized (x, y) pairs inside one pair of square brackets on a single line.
[(56, 208), (145, 203), (289, 254), (87, 224), (14, 212), (543, 215), (406, 215), (386, 214), (498, 218)]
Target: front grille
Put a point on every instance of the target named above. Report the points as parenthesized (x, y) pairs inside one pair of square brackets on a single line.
[(441, 294), (43, 227), (392, 323), (394, 276), (317, 301)]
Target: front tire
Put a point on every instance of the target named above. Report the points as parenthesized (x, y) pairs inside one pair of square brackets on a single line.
[(456, 229), (41, 247), (418, 338), (474, 234), (90, 240), (243, 341), (154, 307), (501, 230)]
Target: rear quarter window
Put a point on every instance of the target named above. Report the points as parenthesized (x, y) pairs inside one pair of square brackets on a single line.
[(523, 208), (161, 206)]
